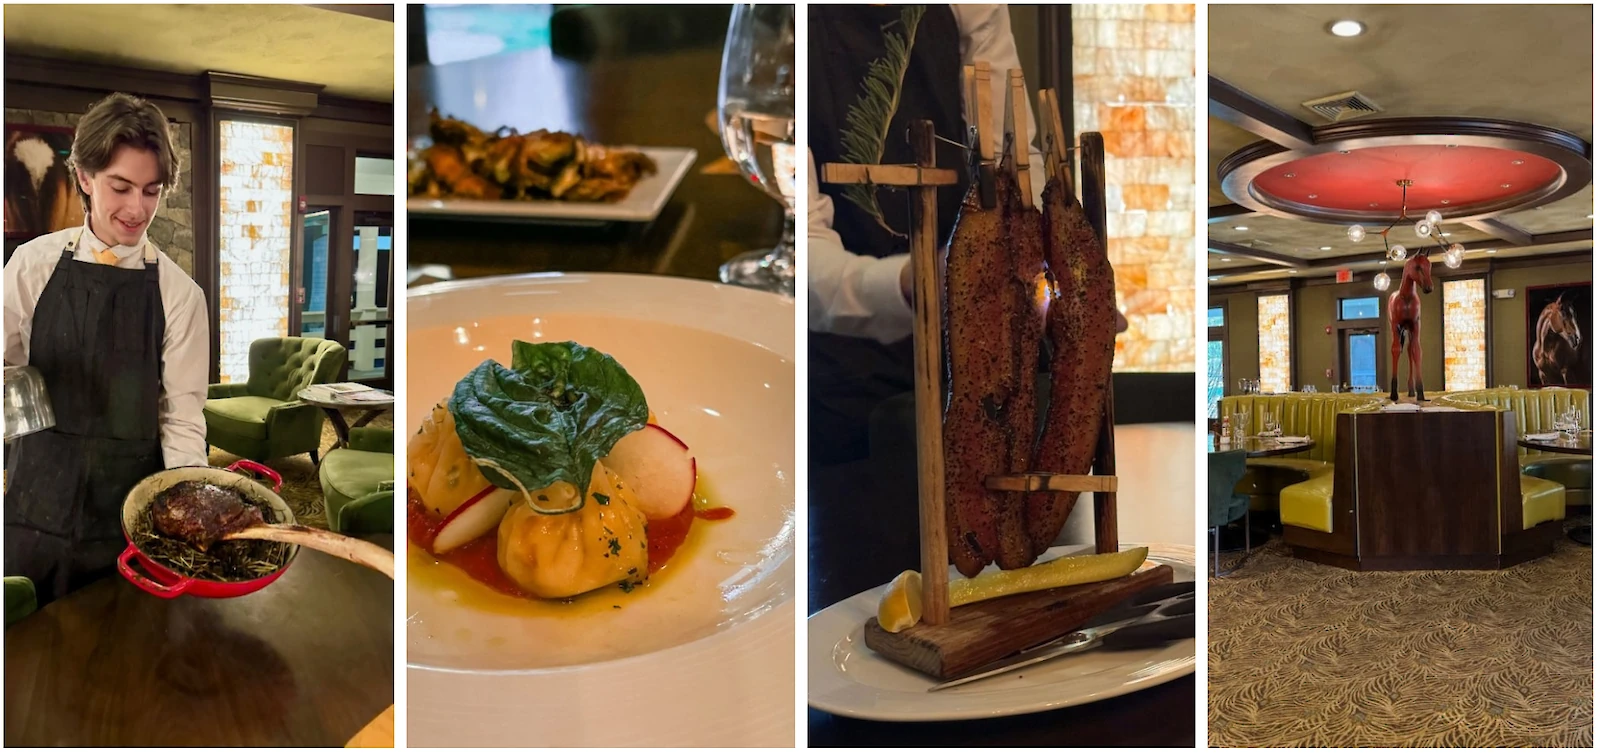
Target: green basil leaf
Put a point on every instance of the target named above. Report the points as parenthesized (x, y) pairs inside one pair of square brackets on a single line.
[(550, 417)]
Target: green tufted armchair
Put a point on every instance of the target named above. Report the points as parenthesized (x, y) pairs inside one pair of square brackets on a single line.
[(263, 418), (358, 483)]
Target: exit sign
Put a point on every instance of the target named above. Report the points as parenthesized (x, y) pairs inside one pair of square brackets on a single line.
[(1343, 275)]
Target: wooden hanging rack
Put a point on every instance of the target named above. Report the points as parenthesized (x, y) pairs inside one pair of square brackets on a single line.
[(923, 180)]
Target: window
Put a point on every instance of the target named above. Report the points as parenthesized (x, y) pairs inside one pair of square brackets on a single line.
[(1216, 357), (374, 176), (1215, 317), (1272, 331), (1358, 308), (1465, 351)]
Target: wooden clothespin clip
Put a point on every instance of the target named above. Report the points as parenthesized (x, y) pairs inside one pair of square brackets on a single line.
[(1016, 132), (980, 114), (1054, 138)]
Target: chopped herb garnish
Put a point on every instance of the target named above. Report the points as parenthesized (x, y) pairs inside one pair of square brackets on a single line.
[(602, 499), (627, 586), (616, 547), (543, 498)]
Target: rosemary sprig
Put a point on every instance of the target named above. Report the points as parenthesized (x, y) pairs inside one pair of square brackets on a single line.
[(867, 121)]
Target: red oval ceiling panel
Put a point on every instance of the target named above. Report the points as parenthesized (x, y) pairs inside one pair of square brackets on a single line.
[(1363, 180)]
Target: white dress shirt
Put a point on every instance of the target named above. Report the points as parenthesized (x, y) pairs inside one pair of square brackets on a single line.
[(859, 295), (186, 351)]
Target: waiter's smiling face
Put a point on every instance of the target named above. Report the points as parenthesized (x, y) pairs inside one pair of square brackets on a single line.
[(123, 197)]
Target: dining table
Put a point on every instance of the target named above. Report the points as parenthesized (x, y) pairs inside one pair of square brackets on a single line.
[(862, 532), (663, 94), (307, 661)]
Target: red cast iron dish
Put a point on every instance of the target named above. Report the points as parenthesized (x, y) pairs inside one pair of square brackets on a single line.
[(167, 584)]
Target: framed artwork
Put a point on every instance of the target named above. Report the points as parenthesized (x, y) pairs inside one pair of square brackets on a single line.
[(39, 195), (1559, 351)]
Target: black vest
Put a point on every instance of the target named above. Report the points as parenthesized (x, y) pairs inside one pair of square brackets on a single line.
[(849, 377)]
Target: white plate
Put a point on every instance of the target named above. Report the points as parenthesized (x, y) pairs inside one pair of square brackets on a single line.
[(849, 679), (717, 367), (642, 204)]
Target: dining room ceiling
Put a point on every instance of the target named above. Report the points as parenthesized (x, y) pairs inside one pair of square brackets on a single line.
[(1527, 63), (347, 49)]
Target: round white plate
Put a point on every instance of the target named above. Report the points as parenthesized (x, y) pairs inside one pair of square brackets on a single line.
[(716, 364), (849, 679)]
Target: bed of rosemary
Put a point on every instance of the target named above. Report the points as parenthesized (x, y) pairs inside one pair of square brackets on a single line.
[(224, 561)]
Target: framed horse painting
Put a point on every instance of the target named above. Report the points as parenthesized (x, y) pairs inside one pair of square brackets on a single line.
[(39, 196), (1559, 352)]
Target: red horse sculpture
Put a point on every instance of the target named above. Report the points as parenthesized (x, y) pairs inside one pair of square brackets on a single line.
[(1405, 325)]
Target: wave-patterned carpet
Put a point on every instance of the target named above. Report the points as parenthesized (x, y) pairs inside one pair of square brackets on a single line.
[(1306, 655), (302, 490)]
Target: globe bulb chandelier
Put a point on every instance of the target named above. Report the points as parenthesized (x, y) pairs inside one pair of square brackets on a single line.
[(1425, 228)]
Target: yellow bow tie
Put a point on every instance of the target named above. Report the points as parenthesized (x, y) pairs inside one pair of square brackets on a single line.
[(105, 257)]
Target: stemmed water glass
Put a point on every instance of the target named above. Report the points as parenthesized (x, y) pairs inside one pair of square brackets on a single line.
[(755, 106)]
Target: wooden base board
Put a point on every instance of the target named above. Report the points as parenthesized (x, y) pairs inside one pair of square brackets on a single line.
[(1528, 545), (988, 631)]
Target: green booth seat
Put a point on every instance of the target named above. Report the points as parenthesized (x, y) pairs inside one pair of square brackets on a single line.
[(1536, 412), (263, 418), (1309, 504), (21, 599), (1300, 414), (358, 483)]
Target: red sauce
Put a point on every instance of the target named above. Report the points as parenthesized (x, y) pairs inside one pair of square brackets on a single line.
[(479, 560)]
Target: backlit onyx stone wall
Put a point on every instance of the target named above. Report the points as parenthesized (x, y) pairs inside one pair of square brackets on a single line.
[(257, 186), (1133, 81)]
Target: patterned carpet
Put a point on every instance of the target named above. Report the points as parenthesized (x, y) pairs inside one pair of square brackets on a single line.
[(302, 490), (1306, 655)]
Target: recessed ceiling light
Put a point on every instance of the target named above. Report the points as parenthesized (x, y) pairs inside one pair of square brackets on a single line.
[(1446, 235), (1373, 204), (1444, 201), (1288, 175), (1516, 162), (1505, 185), (1591, 216), (1294, 271), (1490, 251), (1312, 196), (1240, 227), (1214, 277), (1325, 248), (1226, 259), (1346, 28), (1344, 151), (1449, 146)]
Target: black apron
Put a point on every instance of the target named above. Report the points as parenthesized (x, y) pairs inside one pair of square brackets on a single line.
[(851, 377), (97, 337)]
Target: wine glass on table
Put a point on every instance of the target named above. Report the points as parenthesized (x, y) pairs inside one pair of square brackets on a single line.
[(755, 106)]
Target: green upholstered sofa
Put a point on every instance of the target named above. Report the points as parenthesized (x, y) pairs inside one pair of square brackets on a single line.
[(1299, 414), (1309, 504), (1536, 412), (21, 599), (263, 418), (358, 483)]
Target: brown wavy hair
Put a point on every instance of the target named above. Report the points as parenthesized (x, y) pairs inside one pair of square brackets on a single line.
[(121, 120)]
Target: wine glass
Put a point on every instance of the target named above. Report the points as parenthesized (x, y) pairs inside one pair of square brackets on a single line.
[(755, 106)]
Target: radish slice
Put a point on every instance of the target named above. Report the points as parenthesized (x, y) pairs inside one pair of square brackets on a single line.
[(658, 468), (474, 518)]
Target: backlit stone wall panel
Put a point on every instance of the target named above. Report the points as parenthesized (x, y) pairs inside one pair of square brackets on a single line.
[(1133, 81), (257, 185)]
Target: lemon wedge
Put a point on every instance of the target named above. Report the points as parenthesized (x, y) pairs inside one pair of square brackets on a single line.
[(901, 604)]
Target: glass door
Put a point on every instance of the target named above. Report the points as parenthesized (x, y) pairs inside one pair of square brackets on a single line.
[(370, 316), (315, 234), (1360, 358)]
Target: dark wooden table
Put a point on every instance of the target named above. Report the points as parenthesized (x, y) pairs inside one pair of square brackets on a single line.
[(335, 409), (1579, 445), (661, 98), (863, 532), (306, 661), (1262, 447)]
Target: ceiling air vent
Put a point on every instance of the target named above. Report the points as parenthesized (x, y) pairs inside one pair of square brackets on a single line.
[(1344, 106)]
